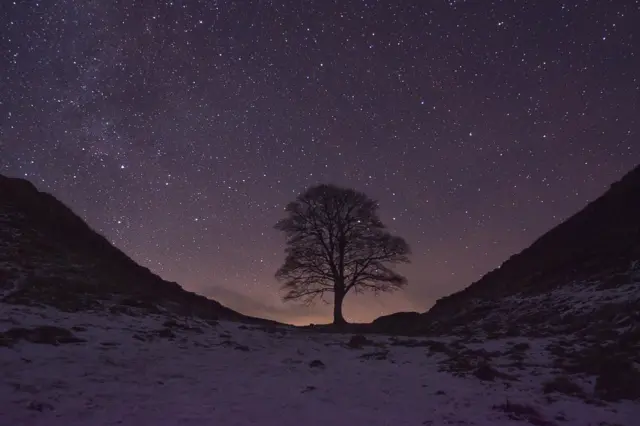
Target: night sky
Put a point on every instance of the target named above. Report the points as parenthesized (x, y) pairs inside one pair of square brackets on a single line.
[(180, 129)]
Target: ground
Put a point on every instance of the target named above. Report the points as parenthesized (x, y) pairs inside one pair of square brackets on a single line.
[(133, 369)]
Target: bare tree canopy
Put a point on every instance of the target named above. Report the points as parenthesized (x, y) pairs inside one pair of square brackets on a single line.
[(336, 243)]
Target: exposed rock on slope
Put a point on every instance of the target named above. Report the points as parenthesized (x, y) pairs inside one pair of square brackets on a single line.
[(50, 256)]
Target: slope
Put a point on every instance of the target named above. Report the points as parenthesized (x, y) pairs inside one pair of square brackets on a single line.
[(583, 274), (50, 257)]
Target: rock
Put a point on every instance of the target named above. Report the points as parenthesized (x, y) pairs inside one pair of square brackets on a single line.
[(522, 346), (166, 333), (46, 334), (170, 323), (39, 406), (438, 347), (410, 343), (5, 341), (316, 363), (521, 412), (486, 372), (358, 341)]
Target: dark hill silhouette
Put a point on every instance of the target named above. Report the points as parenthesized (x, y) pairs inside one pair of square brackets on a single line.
[(602, 238), (598, 243), (50, 256), (394, 321), (580, 275)]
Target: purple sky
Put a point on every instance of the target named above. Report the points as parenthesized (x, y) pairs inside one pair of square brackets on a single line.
[(181, 129)]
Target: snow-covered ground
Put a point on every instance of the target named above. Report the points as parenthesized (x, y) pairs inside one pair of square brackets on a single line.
[(144, 371)]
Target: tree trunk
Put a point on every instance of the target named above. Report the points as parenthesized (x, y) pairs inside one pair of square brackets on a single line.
[(337, 307)]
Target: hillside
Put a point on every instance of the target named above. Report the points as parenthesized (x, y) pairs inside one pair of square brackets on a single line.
[(50, 257), (576, 290), (583, 275)]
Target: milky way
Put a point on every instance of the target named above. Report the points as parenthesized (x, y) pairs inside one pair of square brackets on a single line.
[(180, 129)]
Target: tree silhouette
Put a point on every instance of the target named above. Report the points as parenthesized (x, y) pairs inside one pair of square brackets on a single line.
[(336, 243)]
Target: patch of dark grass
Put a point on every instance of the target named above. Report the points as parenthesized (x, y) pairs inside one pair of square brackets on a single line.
[(380, 355), (523, 412), (316, 363), (242, 348), (521, 347), (563, 385), (358, 341), (486, 372), (410, 343), (46, 334)]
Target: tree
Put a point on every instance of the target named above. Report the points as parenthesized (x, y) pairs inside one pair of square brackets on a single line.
[(336, 243)]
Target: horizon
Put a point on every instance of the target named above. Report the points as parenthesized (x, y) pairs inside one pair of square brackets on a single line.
[(180, 134)]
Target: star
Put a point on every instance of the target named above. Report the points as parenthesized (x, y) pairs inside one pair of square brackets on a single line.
[(475, 128)]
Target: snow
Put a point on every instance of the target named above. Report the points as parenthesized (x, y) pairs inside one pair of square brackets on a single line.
[(126, 374), (553, 311)]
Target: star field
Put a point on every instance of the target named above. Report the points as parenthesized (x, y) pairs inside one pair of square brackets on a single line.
[(180, 129)]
